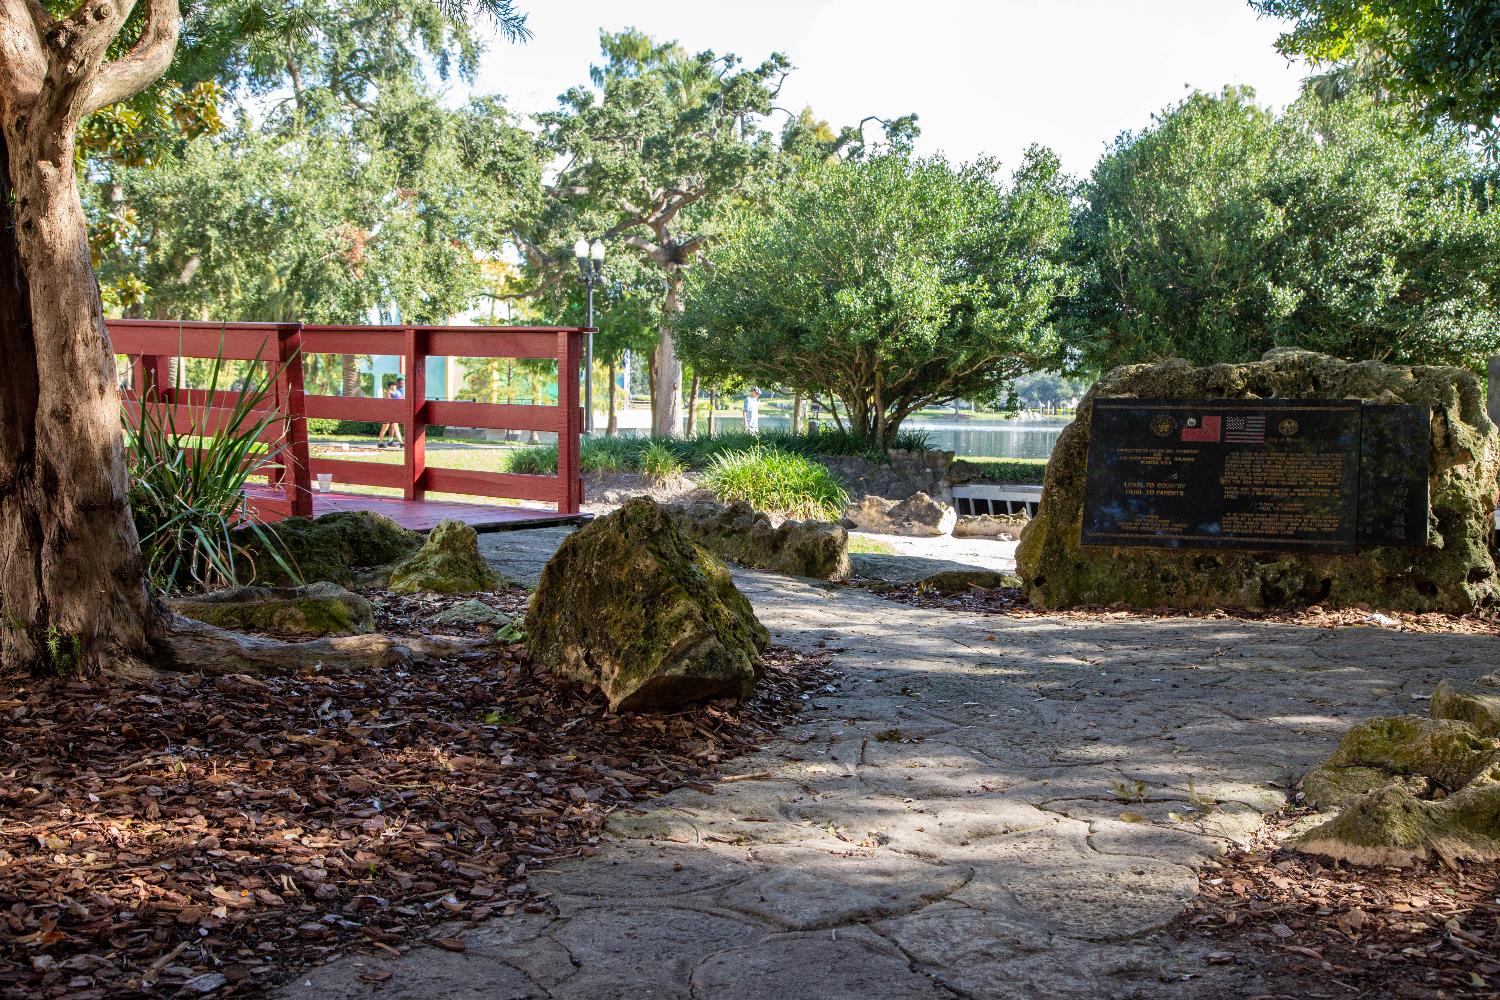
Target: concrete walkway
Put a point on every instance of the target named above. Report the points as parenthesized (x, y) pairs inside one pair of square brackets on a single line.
[(983, 807)]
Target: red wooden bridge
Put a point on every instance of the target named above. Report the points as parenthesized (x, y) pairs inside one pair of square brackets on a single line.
[(149, 346)]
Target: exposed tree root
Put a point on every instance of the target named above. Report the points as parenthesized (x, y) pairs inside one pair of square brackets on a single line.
[(189, 645)]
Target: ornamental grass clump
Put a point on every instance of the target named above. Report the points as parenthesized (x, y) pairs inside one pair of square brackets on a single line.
[(776, 482), (659, 462), (187, 485)]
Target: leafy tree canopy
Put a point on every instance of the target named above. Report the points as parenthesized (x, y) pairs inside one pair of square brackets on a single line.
[(890, 282), (1222, 231), (1443, 55)]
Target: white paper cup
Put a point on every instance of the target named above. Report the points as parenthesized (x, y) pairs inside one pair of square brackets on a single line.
[(325, 482)]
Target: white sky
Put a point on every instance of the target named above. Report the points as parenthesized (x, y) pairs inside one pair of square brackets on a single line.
[(984, 76)]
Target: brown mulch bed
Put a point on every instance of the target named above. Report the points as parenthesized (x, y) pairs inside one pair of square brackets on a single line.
[(191, 836), (1316, 929), (1012, 601)]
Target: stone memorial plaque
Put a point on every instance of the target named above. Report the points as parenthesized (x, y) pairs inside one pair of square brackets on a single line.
[(1246, 474), (1395, 455)]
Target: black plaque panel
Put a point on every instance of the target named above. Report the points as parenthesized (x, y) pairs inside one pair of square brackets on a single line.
[(1245, 474), (1395, 456)]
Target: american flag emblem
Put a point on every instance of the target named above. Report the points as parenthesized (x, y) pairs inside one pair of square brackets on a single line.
[(1202, 429), (1245, 430)]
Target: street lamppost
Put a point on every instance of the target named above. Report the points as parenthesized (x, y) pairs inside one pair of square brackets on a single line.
[(590, 257)]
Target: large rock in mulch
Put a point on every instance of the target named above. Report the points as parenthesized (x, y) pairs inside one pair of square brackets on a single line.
[(961, 581), (327, 548), (918, 515), (1408, 788), (317, 609), (740, 534), (1001, 527), (632, 606), (447, 563), (1455, 572)]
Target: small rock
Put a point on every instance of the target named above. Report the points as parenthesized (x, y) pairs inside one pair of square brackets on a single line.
[(957, 581), (918, 515), (447, 563), (737, 532), (1006, 527), (471, 612)]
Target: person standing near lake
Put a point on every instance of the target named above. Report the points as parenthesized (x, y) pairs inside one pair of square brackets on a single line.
[(396, 391), (752, 411)]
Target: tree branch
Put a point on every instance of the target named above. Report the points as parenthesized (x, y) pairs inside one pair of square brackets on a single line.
[(23, 63), (143, 64)]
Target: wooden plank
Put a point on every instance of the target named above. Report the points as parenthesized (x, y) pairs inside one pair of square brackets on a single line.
[(499, 416), (289, 389), (365, 408), (233, 343), (195, 421), (416, 396), (353, 340), (346, 470), (567, 497), (504, 485), (491, 342)]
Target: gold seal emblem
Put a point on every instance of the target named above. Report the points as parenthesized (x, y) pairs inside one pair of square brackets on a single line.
[(1287, 427), (1163, 426)]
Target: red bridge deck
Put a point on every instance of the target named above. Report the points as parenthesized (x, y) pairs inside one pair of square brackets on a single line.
[(424, 515)]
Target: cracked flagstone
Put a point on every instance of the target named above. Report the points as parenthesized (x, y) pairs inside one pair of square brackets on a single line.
[(981, 807)]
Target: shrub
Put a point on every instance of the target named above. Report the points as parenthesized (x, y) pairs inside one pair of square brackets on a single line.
[(607, 454), (328, 425), (538, 460), (1030, 471), (187, 488), (658, 461), (777, 482)]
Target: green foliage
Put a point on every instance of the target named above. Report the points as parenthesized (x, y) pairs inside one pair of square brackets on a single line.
[(1441, 55), (1223, 231), (1020, 471), (538, 460), (187, 479), (325, 425), (776, 482), (312, 224), (891, 283), (658, 461)]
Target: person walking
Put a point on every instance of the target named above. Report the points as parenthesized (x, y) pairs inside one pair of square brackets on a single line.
[(752, 411), (396, 391)]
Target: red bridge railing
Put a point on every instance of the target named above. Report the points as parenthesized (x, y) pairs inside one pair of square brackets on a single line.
[(151, 344)]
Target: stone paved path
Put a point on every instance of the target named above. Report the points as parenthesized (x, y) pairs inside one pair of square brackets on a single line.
[(945, 821)]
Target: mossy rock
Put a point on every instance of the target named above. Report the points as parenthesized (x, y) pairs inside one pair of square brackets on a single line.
[(959, 581), (1482, 711), (1454, 572), (447, 563), (1391, 826), (1409, 788), (327, 548), (740, 534), (318, 609), (632, 606), (1448, 753)]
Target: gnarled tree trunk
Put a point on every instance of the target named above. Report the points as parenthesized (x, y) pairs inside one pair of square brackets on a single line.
[(666, 415), (72, 586)]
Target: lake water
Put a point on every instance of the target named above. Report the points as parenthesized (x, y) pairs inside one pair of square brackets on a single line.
[(1020, 438)]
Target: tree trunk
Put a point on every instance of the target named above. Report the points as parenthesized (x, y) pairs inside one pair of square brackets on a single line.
[(651, 383), (666, 416), (692, 407), (73, 590), (612, 422), (797, 413), (350, 364), (1494, 388)]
